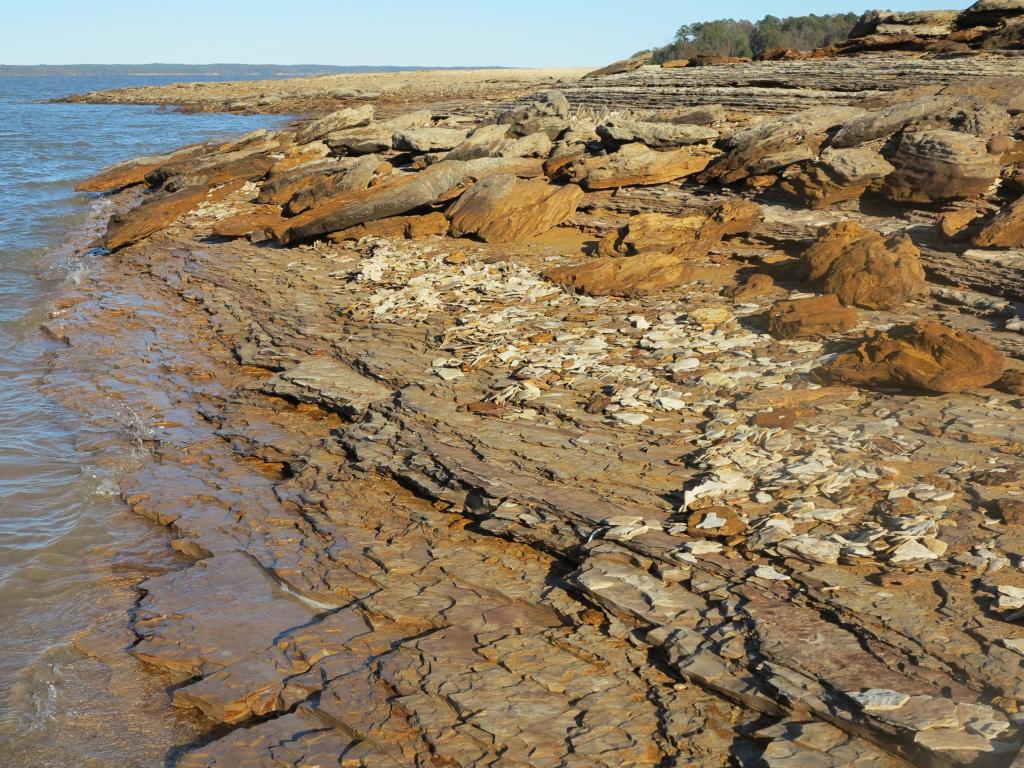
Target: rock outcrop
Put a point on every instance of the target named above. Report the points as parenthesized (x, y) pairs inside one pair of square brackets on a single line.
[(632, 276), (932, 166), (810, 317), (838, 175), (1006, 230), (504, 208), (636, 165)]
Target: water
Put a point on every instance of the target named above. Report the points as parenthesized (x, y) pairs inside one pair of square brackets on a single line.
[(61, 521)]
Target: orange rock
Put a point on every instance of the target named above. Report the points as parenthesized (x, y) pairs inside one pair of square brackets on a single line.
[(132, 173), (714, 522), (628, 277), (503, 208), (815, 316), (864, 269), (952, 223), (920, 356), (409, 227), (691, 234), (636, 165), (244, 224), (1004, 231), (758, 284)]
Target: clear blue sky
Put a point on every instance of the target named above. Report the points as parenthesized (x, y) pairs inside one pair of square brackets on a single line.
[(435, 32)]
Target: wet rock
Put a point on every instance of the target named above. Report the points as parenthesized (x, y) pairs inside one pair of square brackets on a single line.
[(840, 174), (636, 165), (864, 269), (690, 234), (327, 382), (625, 276), (939, 165), (503, 208), (816, 316), (354, 117), (618, 131), (1006, 230), (134, 172), (920, 356)]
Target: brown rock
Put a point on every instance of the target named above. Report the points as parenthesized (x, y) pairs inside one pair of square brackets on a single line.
[(409, 227), (714, 522), (503, 208), (939, 165), (636, 165), (840, 174), (1011, 382), (343, 119), (152, 216), (815, 316), (1010, 510), (920, 356), (1004, 231), (783, 418), (134, 172), (758, 284), (245, 224), (628, 277), (952, 223), (865, 269), (691, 234)]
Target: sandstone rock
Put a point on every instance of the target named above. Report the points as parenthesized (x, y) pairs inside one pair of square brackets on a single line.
[(485, 141), (876, 125), (952, 223), (758, 284), (989, 13), (1004, 231), (864, 269), (620, 67), (547, 112), (920, 356), (815, 316), (341, 120), (409, 227), (686, 235), (715, 522), (705, 114), (618, 131), (776, 142), (377, 137), (154, 215), (503, 208), (939, 165), (422, 140), (627, 277), (535, 145), (636, 165), (133, 172), (245, 224), (840, 174), (353, 177)]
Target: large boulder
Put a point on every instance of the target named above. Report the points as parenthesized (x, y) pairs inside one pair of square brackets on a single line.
[(376, 137), (618, 131), (690, 234), (863, 268), (485, 141), (989, 13), (920, 356), (885, 122), (1004, 231), (939, 165), (813, 316), (777, 142), (629, 277), (636, 165), (838, 175), (423, 140), (503, 208), (336, 121), (547, 112)]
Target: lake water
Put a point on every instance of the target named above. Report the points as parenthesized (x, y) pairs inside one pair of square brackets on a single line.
[(61, 519)]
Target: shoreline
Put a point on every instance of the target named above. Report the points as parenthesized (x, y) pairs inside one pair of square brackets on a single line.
[(481, 517)]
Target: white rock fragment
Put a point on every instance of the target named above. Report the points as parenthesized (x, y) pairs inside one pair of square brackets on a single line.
[(631, 418), (639, 322), (911, 551), (449, 374), (810, 549), (879, 699), (769, 573), (711, 521)]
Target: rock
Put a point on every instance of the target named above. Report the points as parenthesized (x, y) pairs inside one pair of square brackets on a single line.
[(953, 223), (758, 284), (1006, 230), (920, 356), (777, 142), (939, 165), (627, 277), (423, 140), (706, 114), (621, 67), (396, 196), (409, 227), (864, 269), (154, 215), (879, 699), (1011, 382), (341, 120), (691, 234), (1009, 510), (353, 177), (989, 13), (503, 208), (618, 131), (715, 522), (134, 172), (547, 112), (248, 223), (839, 174), (636, 165), (816, 316), (377, 137), (534, 145), (952, 739), (485, 141), (885, 122), (326, 382)]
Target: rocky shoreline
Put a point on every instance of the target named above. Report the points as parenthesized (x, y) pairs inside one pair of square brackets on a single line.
[(627, 424)]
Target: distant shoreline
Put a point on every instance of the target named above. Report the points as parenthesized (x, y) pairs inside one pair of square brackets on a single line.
[(213, 70)]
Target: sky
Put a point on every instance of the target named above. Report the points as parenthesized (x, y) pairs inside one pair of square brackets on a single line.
[(371, 32)]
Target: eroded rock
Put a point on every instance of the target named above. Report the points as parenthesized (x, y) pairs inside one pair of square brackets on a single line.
[(503, 208)]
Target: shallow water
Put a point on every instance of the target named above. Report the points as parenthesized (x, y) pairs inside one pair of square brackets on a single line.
[(69, 553)]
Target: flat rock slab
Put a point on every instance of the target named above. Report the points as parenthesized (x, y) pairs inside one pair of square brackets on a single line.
[(329, 383)]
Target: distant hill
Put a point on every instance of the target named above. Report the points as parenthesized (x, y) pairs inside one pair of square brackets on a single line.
[(200, 70)]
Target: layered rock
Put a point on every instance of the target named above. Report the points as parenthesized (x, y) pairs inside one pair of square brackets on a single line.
[(691, 234), (838, 175), (1006, 230), (636, 165), (503, 208), (618, 131), (863, 268), (343, 119), (632, 276), (815, 316), (921, 356), (938, 165)]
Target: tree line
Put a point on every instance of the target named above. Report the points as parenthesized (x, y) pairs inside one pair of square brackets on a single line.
[(729, 37)]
